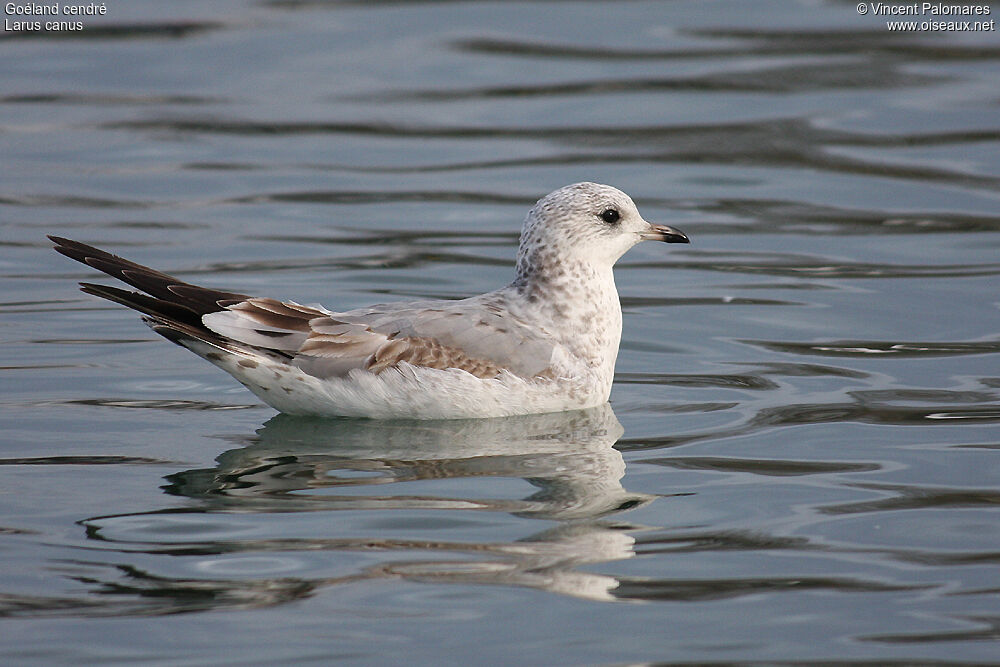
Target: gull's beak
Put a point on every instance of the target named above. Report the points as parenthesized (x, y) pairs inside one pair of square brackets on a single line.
[(665, 234)]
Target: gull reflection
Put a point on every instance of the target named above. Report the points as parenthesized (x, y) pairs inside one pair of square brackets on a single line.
[(402, 484)]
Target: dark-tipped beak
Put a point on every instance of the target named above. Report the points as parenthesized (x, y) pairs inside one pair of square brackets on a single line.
[(665, 234)]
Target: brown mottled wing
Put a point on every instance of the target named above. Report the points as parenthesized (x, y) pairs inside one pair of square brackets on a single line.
[(279, 325), (471, 335), (337, 353), (481, 328), (478, 335)]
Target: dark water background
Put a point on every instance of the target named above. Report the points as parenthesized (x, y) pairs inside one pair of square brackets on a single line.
[(802, 459)]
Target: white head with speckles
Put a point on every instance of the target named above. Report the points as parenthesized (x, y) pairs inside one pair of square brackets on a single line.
[(587, 223)]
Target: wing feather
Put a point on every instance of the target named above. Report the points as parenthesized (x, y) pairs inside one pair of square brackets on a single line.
[(480, 340), (480, 336)]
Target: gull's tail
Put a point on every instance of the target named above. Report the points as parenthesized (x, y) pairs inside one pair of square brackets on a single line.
[(172, 307)]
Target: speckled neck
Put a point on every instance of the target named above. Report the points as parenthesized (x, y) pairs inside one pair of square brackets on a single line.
[(579, 303)]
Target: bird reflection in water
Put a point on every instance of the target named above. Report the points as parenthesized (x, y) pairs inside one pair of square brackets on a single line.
[(303, 465)]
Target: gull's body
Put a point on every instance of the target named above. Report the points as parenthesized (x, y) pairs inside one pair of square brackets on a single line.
[(544, 343)]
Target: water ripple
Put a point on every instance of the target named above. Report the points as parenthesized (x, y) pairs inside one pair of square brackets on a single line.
[(762, 42), (869, 348), (769, 467), (780, 79), (686, 590), (84, 460), (911, 497), (785, 142), (682, 380), (160, 30)]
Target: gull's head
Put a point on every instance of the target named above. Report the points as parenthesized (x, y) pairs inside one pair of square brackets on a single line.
[(586, 222)]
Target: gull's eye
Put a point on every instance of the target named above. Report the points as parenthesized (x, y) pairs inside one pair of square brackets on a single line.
[(611, 216)]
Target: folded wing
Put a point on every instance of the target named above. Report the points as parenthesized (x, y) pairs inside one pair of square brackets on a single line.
[(479, 335), (473, 335)]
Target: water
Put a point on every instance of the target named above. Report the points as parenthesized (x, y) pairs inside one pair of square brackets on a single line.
[(799, 463)]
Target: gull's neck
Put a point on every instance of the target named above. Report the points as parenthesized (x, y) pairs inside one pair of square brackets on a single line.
[(577, 301)]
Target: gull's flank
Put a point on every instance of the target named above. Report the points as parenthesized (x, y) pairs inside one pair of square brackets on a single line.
[(546, 342)]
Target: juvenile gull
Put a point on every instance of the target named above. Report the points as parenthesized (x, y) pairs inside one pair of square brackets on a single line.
[(544, 343)]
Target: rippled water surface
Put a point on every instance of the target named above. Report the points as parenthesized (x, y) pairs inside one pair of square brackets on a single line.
[(800, 458)]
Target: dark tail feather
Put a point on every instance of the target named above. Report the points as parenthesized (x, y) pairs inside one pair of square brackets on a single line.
[(145, 304), (173, 308), (169, 297), (174, 322)]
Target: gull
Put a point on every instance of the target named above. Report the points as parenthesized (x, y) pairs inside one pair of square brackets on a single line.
[(547, 342)]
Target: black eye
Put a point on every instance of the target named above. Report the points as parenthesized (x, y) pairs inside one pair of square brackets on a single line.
[(610, 216)]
